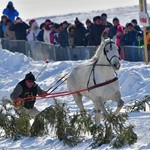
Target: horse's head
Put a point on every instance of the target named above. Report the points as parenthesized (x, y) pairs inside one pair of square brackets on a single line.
[(111, 52)]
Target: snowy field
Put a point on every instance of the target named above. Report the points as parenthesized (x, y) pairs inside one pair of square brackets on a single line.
[(134, 81)]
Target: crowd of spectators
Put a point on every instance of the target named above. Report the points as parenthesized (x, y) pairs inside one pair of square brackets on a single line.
[(78, 33)]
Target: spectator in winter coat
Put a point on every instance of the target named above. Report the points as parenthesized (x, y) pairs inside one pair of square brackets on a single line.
[(52, 33), (63, 35), (113, 29), (136, 26), (40, 36), (49, 33), (56, 34), (119, 35), (24, 96), (96, 31), (8, 34), (11, 12), (71, 35), (79, 37), (30, 23), (139, 39), (20, 29), (33, 32), (4, 18), (105, 23), (46, 35), (89, 26), (129, 37)]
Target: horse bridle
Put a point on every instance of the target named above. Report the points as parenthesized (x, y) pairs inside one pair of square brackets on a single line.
[(105, 53), (95, 63)]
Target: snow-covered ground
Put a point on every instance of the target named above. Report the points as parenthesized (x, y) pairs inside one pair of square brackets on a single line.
[(134, 82)]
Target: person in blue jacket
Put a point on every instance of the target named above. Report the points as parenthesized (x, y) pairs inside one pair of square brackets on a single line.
[(11, 12)]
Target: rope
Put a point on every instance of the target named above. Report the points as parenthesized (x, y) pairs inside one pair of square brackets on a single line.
[(57, 83), (65, 93)]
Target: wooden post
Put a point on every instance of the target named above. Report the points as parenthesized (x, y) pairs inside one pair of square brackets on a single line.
[(145, 46)]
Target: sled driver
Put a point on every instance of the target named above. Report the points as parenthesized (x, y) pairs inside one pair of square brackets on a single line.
[(27, 88)]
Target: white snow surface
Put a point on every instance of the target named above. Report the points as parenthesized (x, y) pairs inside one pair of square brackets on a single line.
[(134, 78)]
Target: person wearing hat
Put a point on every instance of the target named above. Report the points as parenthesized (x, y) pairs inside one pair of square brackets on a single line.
[(47, 31), (33, 31), (10, 11), (24, 95)]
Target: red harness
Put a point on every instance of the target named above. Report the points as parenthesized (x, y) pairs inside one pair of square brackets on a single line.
[(65, 93)]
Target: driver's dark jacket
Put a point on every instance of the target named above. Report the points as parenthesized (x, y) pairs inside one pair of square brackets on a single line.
[(22, 91)]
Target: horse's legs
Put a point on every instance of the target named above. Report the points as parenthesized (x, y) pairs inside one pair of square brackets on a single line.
[(97, 116), (78, 100), (119, 106), (99, 107)]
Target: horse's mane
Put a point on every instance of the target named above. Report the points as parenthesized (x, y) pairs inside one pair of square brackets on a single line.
[(98, 52), (99, 49)]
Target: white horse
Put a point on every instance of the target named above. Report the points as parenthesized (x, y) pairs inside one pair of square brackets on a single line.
[(98, 76)]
